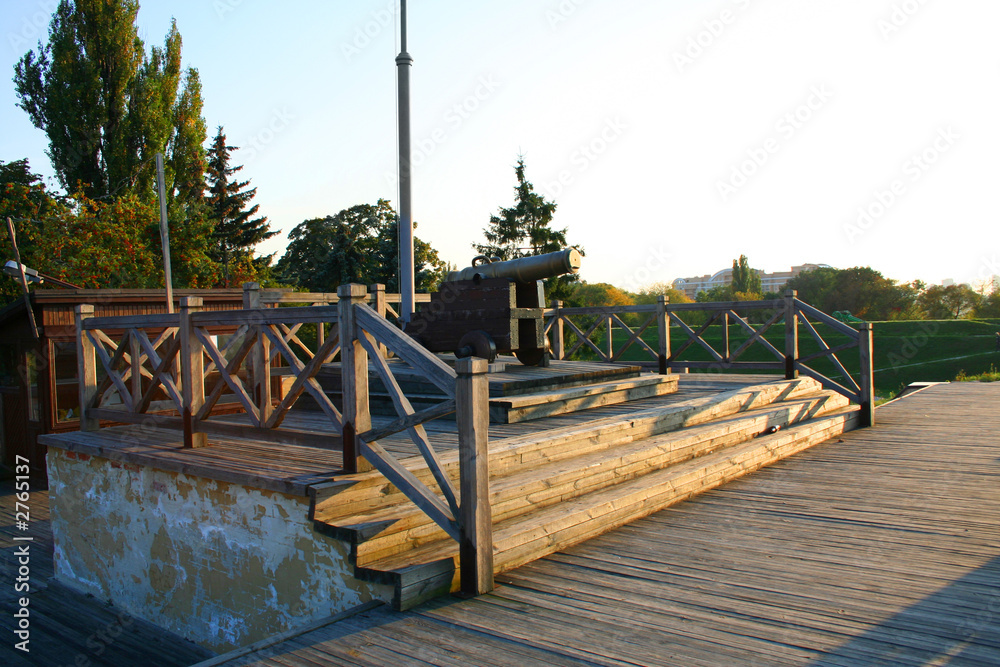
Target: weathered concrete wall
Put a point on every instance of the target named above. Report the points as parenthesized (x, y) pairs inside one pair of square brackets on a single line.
[(221, 564)]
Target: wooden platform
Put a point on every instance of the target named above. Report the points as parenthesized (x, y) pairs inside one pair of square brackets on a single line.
[(292, 469), (879, 548)]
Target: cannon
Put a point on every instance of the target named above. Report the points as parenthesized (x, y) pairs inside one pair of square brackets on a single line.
[(492, 307)]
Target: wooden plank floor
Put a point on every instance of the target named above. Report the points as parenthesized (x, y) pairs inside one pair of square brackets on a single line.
[(67, 628), (881, 548), (293, 469)]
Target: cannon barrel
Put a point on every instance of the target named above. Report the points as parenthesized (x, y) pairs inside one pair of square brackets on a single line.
[(525, 269)]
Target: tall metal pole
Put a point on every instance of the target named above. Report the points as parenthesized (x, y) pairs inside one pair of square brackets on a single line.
[(406, 279), (164, 232)]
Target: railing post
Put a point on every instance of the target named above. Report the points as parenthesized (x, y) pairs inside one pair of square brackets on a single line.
[(663, 325), (866, 342), (260, 359), (86, 364), (611, 341), (354, 378), (725, 336), (473, 416), (558, 331), (791, 335), (192, 373), (379, 306)]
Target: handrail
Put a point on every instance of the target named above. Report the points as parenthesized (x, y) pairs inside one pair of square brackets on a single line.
[(185, 357), (568, 337)]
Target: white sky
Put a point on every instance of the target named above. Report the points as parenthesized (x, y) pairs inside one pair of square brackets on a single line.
[(634, 143)]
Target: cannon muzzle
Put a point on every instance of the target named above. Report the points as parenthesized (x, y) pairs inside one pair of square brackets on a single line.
[(526, 269)]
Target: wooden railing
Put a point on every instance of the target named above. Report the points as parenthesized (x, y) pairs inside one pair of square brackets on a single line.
[(176, 358), (573, 331)]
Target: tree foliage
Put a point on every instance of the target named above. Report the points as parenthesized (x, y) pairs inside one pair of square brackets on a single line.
[(107, 107), (746, 281), (862, 291), (523, 230), (949, 302), (357, 245), (235, 231)]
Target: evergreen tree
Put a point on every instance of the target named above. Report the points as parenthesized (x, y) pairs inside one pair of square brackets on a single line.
[(523, 230), (236, 231)]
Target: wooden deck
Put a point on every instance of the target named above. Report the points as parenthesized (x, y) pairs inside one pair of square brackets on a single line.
[(881, 548), (293, 469)]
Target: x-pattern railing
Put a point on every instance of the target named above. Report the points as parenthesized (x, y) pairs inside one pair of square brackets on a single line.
[(580, 326)]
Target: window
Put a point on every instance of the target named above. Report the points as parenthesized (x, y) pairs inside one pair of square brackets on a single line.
[(67, 388)]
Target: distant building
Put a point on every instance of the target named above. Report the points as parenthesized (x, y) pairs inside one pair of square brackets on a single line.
[(771, 282)]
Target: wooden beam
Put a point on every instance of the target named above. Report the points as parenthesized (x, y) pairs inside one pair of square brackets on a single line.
[(86, 369), (354, 378), (192, 374), (476, 543), (791, 335), (663, 329), (867, 345)]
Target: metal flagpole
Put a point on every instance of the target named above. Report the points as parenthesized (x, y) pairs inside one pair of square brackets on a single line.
[(406, 278)]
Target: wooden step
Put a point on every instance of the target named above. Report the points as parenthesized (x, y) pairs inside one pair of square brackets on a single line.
[(401, 527), (353, 494), (526, 407), (432, 569)]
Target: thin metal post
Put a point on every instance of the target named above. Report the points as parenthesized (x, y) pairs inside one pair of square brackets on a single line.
[(164, 232), (406, 267)]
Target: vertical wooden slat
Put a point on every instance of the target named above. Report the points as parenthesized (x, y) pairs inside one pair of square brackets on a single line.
[(558, 331), (260, 365), (610, 353), (86, 364), (472, 414), (725, 337), (379, 304), (866, 345), (791, 335), (192, 374), (135, 352), (663, 328), (354, 378)]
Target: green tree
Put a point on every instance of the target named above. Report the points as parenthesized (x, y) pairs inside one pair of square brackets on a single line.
[(949, 302), (746, 281), (107, 107), (236, 232), (358, 245), (862, 291), (524, 230)]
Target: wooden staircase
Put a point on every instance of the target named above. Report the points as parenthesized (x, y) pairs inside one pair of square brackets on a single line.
[(556, 488)]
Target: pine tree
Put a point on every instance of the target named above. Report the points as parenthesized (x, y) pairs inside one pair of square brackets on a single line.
[(523, 231), (236, 231)]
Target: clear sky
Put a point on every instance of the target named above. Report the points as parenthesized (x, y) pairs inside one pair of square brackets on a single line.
[(674, 135)]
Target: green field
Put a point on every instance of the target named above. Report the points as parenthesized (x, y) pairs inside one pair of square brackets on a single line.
[(905, 352)]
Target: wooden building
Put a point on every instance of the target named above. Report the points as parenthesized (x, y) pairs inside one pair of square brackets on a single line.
[(39, 392)]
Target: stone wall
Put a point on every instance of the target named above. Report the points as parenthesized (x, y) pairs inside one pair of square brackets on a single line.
[(221, 564)]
